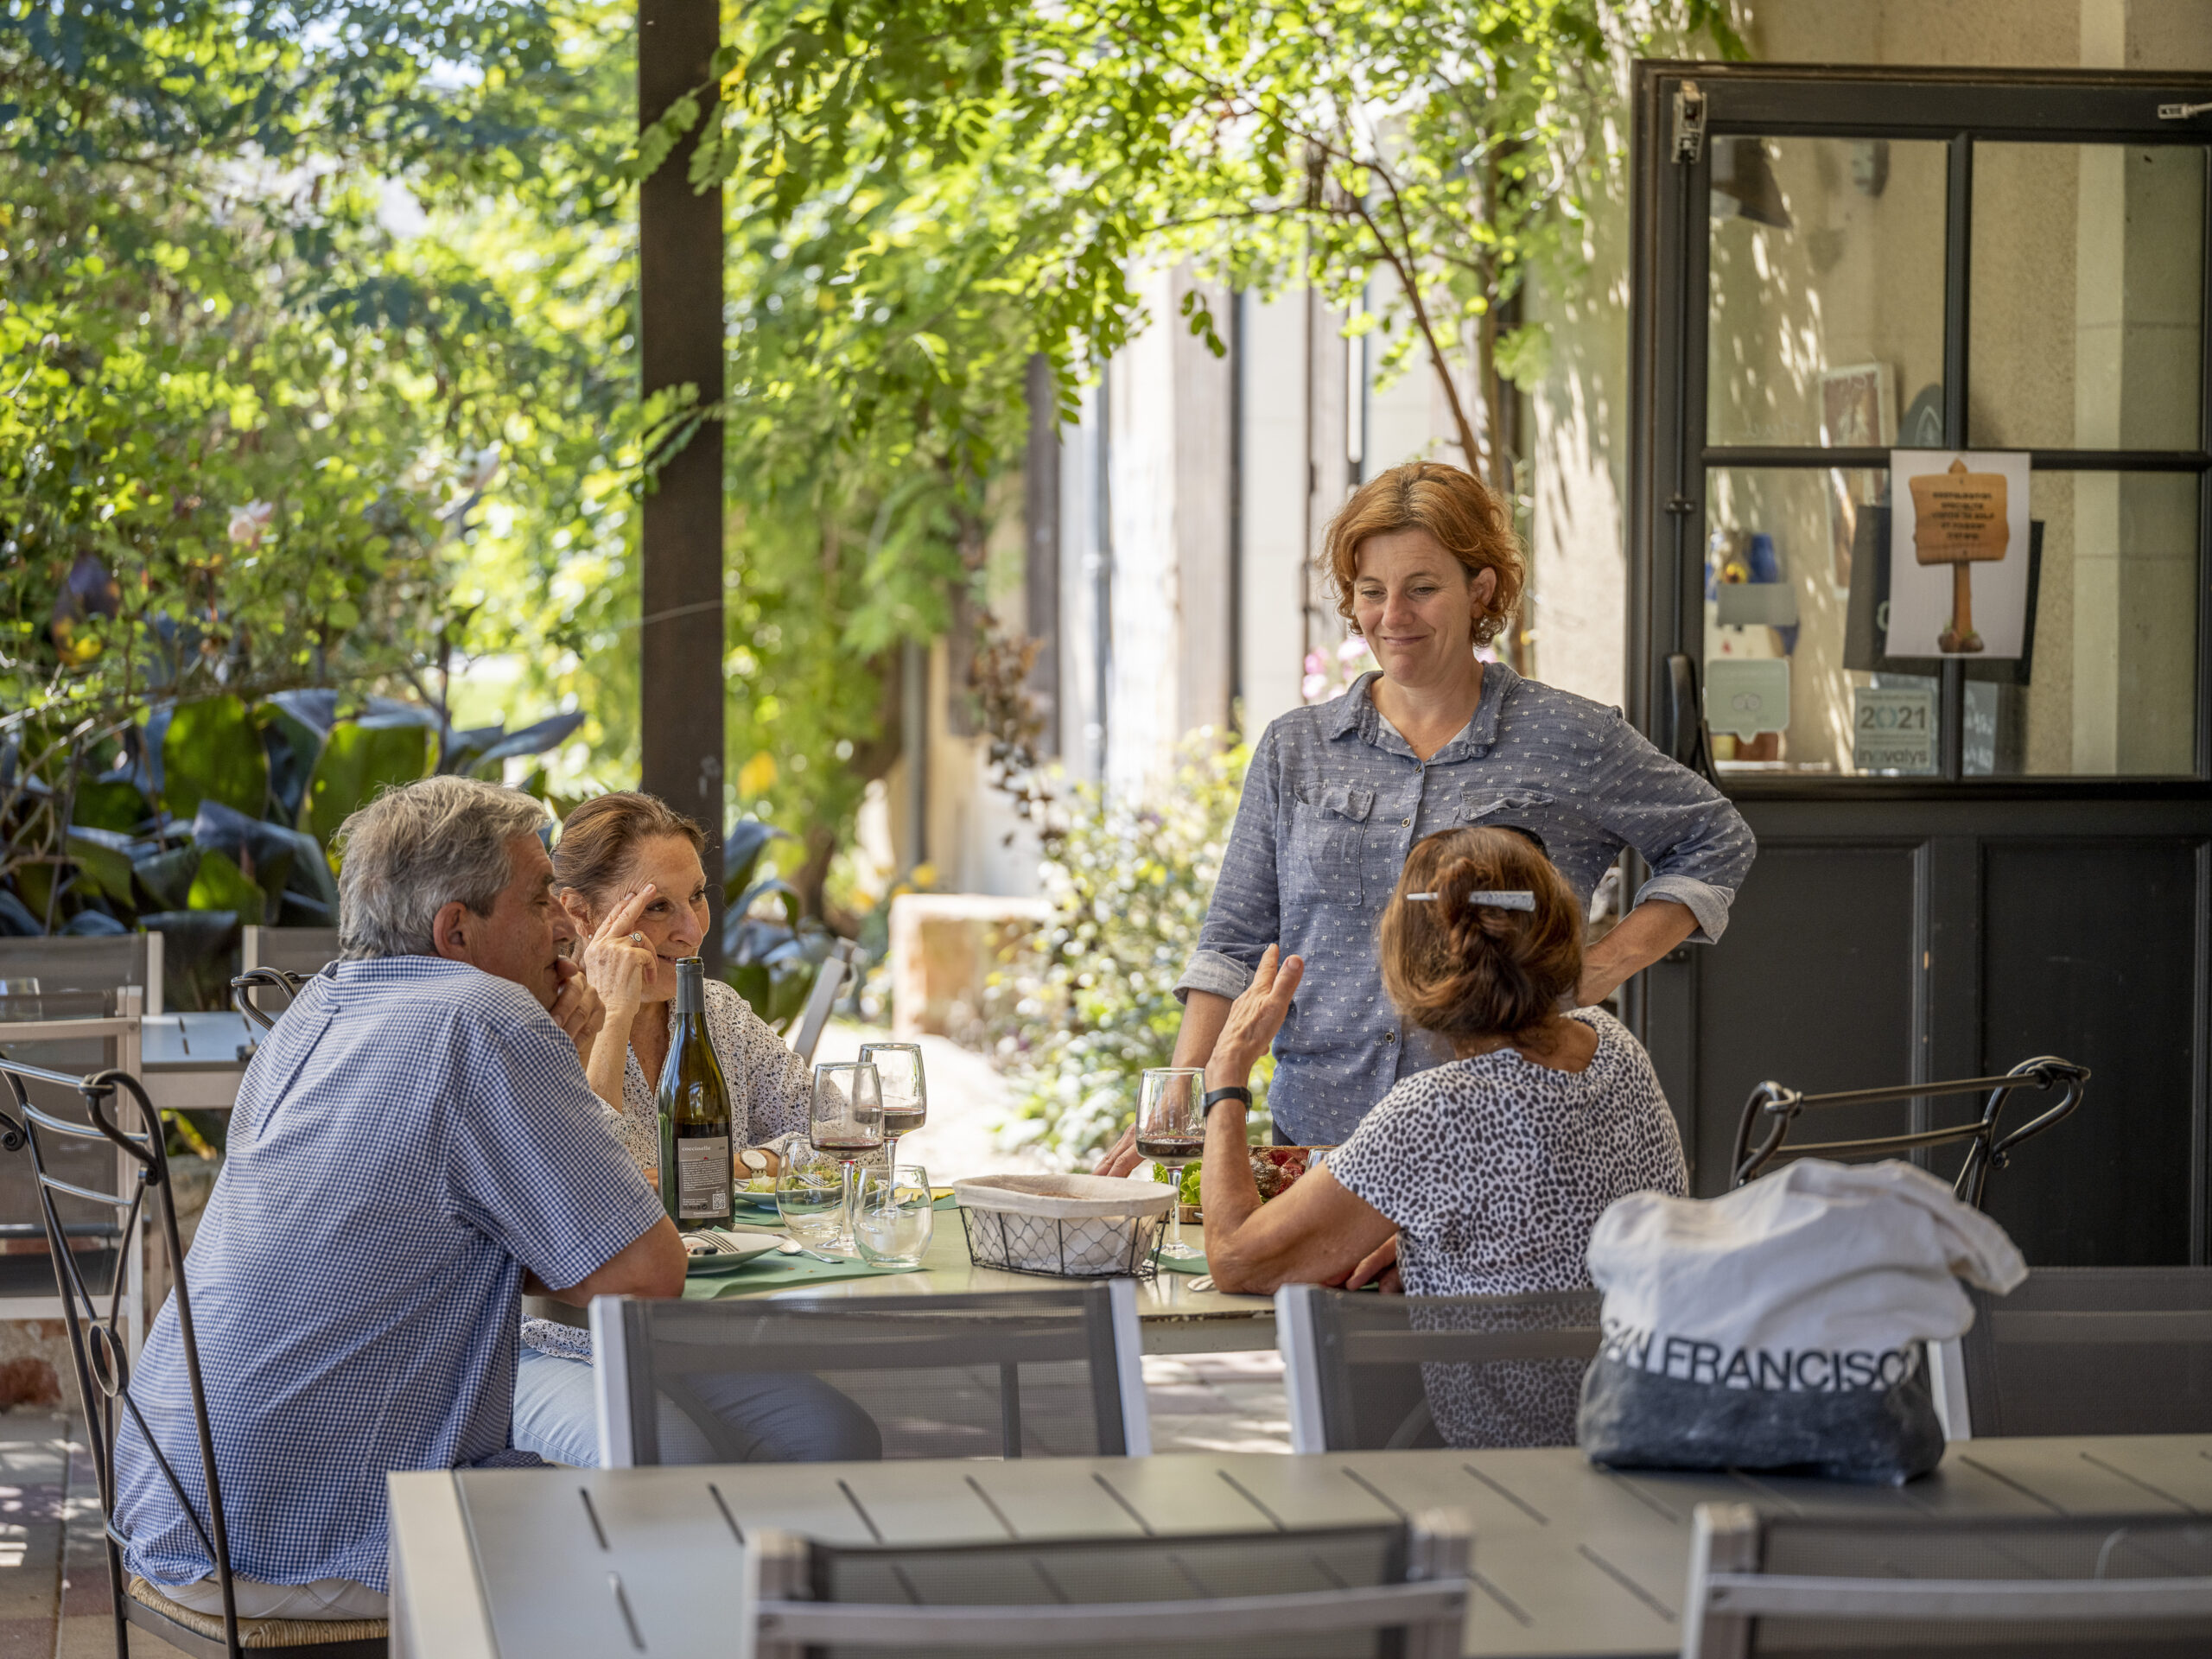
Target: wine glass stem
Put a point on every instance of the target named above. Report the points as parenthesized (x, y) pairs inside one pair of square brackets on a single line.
[(890, 1165)]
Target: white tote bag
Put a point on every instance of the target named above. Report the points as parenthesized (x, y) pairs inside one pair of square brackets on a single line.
[(1784, 1324)]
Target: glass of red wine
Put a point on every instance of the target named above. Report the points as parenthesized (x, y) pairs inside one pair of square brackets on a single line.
[(906, 1093), (847, 1121), (1172, 1132)]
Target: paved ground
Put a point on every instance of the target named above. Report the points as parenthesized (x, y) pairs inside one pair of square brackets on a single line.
[(967, 1097), (54, 1591)]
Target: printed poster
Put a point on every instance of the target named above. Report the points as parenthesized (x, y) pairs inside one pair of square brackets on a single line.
[(1957, 554)]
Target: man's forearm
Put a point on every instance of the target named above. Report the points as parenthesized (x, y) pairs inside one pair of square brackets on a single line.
[(1644, 935)]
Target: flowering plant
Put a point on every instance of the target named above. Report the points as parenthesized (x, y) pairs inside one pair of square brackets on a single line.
[(1330, 674)]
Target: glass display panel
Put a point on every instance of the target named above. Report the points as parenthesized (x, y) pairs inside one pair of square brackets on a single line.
[(2085, 328), (1826, 313), (1795, 680), (2109, 687)]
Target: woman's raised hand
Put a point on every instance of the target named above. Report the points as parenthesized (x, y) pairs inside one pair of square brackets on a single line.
[(1255, 1018), (617, 960)]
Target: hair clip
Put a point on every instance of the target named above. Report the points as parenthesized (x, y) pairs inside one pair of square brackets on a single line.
[(1522, 899)]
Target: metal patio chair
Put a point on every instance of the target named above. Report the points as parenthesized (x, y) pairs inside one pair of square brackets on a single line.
[(101, 1355), (68, 1034), (275, 961), (841, 965), (2090, 1350), (2048, 1584), (1055, 1373), (1352, 1363), (1357, 1592), (1987, 1149), (257, 982)]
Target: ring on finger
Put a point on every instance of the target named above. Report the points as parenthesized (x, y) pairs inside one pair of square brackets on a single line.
[(637, 939)]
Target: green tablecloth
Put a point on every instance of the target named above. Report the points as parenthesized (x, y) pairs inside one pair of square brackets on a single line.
[(778, 1273)]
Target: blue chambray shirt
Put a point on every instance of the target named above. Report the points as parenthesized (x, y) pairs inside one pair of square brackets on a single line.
[(1334, 801), (411, 1138)]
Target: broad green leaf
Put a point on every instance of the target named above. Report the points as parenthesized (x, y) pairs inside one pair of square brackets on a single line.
[(103, 862), (293, 743), (358, 757), (212, 751), (218, 884), (166, 878), (196, 956), (748, 838), (110, 803)]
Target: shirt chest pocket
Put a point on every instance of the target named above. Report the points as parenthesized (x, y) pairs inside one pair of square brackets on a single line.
[(1532, 812), (1328, 842)]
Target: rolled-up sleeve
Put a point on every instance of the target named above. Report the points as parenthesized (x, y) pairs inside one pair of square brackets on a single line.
[(1696, 842), (1245, 913)]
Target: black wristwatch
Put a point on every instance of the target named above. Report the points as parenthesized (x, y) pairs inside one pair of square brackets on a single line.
[(1220, 1095)]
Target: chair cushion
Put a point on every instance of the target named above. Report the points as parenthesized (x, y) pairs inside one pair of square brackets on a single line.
[(262, 1632)]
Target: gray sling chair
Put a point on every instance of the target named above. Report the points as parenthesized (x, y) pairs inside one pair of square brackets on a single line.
[(1880, 1583), (1052, 1373), (100, 1354), (1343, 1592), (1987, 1149), (2090, 1350), (1353, 1363)]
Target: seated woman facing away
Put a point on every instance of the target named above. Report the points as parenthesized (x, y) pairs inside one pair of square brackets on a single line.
[(1483, 1177)]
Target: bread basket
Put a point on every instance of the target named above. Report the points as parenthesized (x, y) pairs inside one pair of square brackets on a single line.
[(1064, 1226)]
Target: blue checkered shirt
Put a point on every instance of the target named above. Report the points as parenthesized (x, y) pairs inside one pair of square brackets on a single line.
[(412, 1137), (1335, 799)]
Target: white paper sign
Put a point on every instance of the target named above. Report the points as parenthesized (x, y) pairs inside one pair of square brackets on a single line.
[(1958, 553), (1892, 730)]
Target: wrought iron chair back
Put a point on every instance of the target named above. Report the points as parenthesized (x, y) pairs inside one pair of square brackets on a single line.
[(1987, 1149), (274, 979), (97, 1348)]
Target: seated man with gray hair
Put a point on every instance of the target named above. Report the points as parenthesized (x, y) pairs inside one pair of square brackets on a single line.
[(414, 1140)]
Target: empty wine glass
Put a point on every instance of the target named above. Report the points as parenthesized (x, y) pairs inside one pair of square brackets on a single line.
[(1172, 1132), (906, 1093), (847, 1121), (895, 1216)]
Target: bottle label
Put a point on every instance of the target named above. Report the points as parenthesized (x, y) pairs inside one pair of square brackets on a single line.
[(702, 1177)]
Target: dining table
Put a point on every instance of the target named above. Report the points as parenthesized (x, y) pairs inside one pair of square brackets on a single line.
[(1178, 1313), (1568, 1558)]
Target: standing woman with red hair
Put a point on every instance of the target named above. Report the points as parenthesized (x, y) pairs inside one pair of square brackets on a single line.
[(1426, 567)]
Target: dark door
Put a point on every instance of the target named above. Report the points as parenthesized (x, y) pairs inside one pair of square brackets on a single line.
[(1964, 861)]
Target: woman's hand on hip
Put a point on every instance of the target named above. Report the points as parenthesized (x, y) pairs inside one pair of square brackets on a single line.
[(1254, 1019), (617, 961)]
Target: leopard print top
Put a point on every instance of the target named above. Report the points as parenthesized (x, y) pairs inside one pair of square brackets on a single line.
[(1494, 1170)]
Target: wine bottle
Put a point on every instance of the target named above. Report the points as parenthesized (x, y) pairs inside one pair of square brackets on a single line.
[(694, 1101)]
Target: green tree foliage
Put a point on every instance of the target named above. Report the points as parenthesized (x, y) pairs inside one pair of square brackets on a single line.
[(250, 432)]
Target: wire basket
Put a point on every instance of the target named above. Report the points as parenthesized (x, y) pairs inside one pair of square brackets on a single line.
[(1087, 1246), (1064, 1226)]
